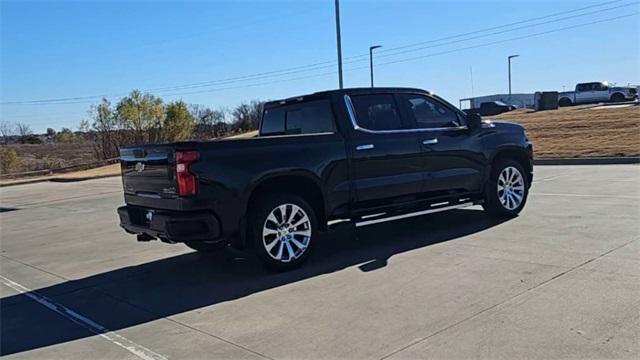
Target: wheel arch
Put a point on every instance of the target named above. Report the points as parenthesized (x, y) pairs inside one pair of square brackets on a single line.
[(518, 154), (616, 93), (565, 100), (299, 182)]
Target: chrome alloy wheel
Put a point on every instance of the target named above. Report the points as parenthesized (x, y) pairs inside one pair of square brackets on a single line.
[(286, 233), (510, 188)]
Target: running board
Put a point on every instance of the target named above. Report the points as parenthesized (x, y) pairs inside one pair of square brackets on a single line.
[(413, 214)]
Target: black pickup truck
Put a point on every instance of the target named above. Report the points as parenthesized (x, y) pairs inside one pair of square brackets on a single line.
[(366, 155)]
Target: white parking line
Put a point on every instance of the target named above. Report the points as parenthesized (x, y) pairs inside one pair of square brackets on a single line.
[(121, 341), (588, 195), (551, 178)]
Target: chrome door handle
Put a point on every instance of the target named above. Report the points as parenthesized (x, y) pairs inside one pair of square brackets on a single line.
[(430, 141), (365, 147)]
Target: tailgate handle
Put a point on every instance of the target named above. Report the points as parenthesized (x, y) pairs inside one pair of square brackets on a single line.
[(139, 153)]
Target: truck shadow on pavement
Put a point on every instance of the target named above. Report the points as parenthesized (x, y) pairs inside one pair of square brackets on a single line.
[(135, 295)]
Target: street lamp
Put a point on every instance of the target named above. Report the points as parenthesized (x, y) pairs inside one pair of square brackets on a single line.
[(509, 61), (371, 48)]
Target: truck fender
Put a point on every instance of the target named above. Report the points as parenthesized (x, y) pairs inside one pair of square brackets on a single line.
[(283, 173), (515, 152)]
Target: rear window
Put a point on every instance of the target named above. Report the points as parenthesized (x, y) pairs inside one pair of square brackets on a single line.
[(377, 112), (310, 117)]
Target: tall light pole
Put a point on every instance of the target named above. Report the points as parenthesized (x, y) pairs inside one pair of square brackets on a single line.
[(339, 43), (371, 48), (509, 61), (471, 74)]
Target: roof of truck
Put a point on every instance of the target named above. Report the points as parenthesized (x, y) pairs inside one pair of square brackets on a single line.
[(358, 90)]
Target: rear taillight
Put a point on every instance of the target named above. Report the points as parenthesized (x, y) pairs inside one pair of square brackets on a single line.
[(187, 182)]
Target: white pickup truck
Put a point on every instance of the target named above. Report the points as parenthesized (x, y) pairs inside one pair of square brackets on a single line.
[(594, 92)]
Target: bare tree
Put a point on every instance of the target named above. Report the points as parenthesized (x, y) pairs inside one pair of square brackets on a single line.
[(105, 124), (209, 123), (7, 129), (246, 116), (24, 129), (25, 134)]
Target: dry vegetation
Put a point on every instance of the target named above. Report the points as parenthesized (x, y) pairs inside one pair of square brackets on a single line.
[(102, 171), (581, 131), (32, 157)]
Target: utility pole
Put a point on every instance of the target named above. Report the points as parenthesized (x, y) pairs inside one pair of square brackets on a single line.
[(339, 43), (471, 73), (371, 48), (509, 61)]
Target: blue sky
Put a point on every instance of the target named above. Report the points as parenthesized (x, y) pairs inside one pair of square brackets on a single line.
[(58, 49)]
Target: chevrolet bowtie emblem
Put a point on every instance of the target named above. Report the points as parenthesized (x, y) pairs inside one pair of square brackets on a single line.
[(140, 167)]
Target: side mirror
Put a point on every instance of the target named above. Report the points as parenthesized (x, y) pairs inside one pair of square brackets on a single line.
[(474, 121)]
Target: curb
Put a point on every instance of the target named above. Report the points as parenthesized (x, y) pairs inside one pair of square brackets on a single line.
[(59, 179), (68, 179), (588, 161)]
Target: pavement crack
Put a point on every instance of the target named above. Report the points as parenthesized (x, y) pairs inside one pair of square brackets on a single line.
[(472, 316), (182, 324), (35, 267)]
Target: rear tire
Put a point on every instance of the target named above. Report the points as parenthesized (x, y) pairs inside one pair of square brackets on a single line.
[(564, 102), (206, 246), (283, 229), (507, 189)]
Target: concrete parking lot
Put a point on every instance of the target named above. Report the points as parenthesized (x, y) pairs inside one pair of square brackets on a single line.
[(560, 281)]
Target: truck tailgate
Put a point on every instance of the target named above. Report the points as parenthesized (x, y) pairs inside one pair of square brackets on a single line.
[(149, 171)]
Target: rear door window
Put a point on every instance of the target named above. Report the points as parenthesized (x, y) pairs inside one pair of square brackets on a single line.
[(600, 87), (310, 117), (377, 112), (584, 87)]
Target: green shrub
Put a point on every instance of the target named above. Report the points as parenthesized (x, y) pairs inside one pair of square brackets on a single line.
[(8, 159)]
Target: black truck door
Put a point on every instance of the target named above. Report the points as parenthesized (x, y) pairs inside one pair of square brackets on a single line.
[(451, 156), (386, 159)]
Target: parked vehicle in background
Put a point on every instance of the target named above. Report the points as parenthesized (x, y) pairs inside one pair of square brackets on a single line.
[(366, 155), (494, 108), (595, 92), (490, 108)]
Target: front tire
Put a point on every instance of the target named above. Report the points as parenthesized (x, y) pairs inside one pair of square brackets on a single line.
[(617, 97), (507, 189), (283, 230)]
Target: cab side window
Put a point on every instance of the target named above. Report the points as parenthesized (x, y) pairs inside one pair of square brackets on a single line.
[(429, 113), (311, 117), (377, 112)]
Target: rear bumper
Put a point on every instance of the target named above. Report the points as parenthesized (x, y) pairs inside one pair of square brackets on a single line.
[(169, 225)]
